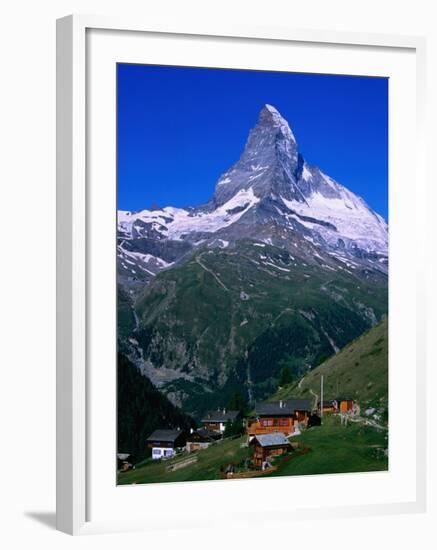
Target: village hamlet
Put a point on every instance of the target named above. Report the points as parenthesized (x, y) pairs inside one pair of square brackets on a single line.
[(271, 437)]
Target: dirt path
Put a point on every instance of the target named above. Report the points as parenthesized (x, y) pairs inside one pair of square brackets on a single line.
[(369, 422), (283, 312), (211, 272), (316, 398)]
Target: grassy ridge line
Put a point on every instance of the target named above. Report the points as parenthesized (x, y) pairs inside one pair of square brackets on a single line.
[(359, 370)]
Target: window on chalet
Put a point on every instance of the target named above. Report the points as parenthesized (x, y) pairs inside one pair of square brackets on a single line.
[(283, 421), (266, 422)]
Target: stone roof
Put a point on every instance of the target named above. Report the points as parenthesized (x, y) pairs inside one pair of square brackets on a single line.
[(272, 440), (221, 415), (282, 407), (168, 436)]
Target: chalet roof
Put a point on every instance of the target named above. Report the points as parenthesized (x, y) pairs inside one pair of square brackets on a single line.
[(169, 436), (203, 434), (208, 433), (282, 407), (221, 415), (327, 402), (272, 440), (123, 456)]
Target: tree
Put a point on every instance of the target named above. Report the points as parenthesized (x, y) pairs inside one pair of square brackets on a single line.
[(228, 429), (285, 376), (233, 428), (238, 403)]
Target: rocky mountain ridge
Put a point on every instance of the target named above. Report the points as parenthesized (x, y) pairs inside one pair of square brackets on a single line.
[(270, 185)]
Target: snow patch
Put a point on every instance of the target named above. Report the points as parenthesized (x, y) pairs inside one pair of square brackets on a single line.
[(306, 174), (353, 219), (329, 267), (223, 181), (176, 222), (277, 267)]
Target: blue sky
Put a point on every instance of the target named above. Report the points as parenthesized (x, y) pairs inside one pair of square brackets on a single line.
[(180, 128)]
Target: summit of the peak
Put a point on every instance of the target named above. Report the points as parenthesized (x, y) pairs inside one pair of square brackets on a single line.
[(270, 112), (270, 117), (271, 108)]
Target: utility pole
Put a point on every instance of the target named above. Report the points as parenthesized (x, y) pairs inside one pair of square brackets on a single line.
[(321, 397)]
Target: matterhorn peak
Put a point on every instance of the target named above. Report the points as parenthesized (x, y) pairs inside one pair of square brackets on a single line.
[(271, 185), (268, 164), (270, 116), (270, 137)]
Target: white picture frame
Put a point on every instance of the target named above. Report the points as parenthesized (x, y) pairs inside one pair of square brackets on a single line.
[(74, 470)]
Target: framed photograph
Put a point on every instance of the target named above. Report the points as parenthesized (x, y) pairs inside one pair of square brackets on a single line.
[(238, 321)]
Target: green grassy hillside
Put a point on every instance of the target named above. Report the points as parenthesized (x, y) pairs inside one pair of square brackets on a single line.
[(206, 468), (334, 448), (359, 370), (328, 449)]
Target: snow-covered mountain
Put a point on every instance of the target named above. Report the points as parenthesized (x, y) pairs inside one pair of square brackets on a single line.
[(270, 194), (282, 266)]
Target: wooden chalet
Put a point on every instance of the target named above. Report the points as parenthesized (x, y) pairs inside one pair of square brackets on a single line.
[(279, 416), (266, 446), (344, 404), (165, 442), (329, 406), (216, 420), (201, 439)]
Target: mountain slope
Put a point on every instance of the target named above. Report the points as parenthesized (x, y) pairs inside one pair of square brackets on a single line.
[(141, 409), (359, 370), (230, 318)]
